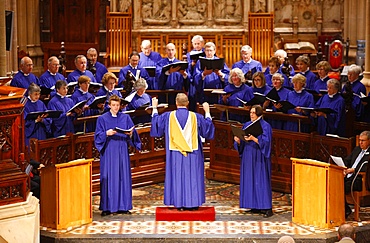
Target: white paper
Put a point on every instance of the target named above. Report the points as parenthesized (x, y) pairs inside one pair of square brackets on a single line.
[(338, 160)]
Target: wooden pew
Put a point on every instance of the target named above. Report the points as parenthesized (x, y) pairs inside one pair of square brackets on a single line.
[(225, 161), (147, 166)]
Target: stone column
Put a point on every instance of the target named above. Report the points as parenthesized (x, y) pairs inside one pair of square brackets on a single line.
[(2, 39), (366, 79)]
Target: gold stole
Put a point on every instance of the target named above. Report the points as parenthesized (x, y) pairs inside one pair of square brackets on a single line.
[(183, 140)]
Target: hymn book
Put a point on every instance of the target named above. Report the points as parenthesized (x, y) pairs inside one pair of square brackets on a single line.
[(51, 114), (181, 64), (211, 64), (79, 105), (124, 131), (98, 100), (302, 45)]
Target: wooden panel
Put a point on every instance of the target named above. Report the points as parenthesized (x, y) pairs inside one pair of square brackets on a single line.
[(261, 35), (231, 46), (225, 161), (323, 206), (67, 190), (14, 184), (179, 42), (119, 37), (157, 42)]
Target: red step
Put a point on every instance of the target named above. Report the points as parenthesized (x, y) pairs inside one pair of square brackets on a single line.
[(172, 214)]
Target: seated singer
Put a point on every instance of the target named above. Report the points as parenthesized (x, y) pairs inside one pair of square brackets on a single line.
[(356, 162)]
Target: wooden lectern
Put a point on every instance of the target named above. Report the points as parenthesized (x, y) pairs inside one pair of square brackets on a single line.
[(66, 194), (317, 193)]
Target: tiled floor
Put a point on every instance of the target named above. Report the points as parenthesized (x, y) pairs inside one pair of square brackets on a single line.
[(231, 221)]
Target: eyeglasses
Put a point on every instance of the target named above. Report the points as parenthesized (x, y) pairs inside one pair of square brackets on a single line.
[(29, 65), (55, 65)]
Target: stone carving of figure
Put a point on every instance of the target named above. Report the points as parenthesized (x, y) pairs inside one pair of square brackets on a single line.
[(124, 5), (156, 7), (259, 6), (220, 8), (147, 11), (182, 9), (166, 10)]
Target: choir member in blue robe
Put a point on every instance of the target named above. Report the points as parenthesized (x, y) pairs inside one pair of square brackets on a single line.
[(255, 168), (81, 64), (140, 98), (247, 64), (100, 69), (274, 68), (333, 123), (51, 76), (209, 79), (198, 43), (281, 54), (133, 67), (198, 46), (149, 58), (277, 83), (303, 65), (174, 78), (300, 98), (259, 86), (355, 86), (323, 68), (60, 102), (184, 180), (39, 128), (109, 81), (24, 77), (236, 89), (115, 168), (81, 94)]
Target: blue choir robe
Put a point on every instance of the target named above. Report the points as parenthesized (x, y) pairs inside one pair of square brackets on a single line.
[(173, 81), (244, 93), (32, 129), (184, 179), (104, 91), (149, 61), (357, 88), (48, 80), (303, 99), (211, 81), (135, 103), (334, 123), (138, 72), (321, 84), (310, 79), (21, 80), (292, 71), (100, 71), (115, 168), (278, 124), (286, 83), (73, 76), (255, 170), (79, 96), (253, 65), (64, 124)]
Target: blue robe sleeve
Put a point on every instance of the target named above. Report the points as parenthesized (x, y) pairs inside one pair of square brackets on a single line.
[(158, 125), (206, 129)]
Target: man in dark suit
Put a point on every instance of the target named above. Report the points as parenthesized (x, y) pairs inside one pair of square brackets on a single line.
[(356, 161)]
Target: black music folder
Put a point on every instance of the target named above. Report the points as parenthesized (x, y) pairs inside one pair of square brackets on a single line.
[(98, 100), (121, 130), (211, 64), (79, 105), (151, 71), (181, 64), (50, 113), (194, 55)]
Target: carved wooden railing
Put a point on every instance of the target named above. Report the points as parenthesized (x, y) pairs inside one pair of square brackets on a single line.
[(147, 165), (225, 161)]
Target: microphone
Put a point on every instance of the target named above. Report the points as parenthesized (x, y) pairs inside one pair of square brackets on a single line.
[(322, 145)]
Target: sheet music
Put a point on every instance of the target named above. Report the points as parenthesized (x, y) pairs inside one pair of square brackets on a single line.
[(338, 160)]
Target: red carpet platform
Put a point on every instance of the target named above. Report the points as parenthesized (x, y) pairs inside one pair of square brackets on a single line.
[(172, 214)]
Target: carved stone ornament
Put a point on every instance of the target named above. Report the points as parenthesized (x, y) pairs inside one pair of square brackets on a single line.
[(156, 12), (228, 11)]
